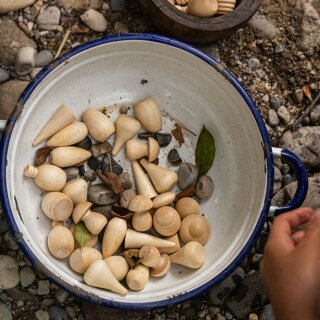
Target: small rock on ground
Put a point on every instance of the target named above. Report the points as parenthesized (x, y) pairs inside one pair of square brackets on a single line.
[(9, 272), (263, 27), (57, 313), (27, 276), (5, 312)]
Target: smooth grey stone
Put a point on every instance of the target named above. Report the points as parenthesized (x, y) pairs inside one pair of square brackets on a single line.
[(114, 167), (287, 179), (204, 187), (220, 292), (43, 287), (279, 48), (43, 58), (187, 175), (275, 103), (253, 64), (284, 114), (72, 173), (5, 312), (247, 297), (315, 114), (277, 180), (42, 315), (12, 38), (174, 157), (71, 312), (305, 142), (118, 5), (10, 241), (49, 16), (219, 316), (9, 272), (61, 295), (285, 168), (4, 75), (99, 194), (273, 118), (80, 4), (90, 175), (100, 149), (25, 60), (86, 143), (27, 276), (298, 95), (262, 27), (105, 210), (56, 313), (163, 139), (120, 27), (287, 193), (124, 179)]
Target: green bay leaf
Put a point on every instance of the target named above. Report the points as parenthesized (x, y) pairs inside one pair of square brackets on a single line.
[(81, 233), (205, 151)]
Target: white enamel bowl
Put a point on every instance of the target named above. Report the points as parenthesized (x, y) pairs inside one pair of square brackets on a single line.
[(193, 89)]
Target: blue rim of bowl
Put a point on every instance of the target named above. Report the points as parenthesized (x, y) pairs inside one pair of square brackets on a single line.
[(218, 67)]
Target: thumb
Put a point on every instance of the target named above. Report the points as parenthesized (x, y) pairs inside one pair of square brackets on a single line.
[(312, 231)]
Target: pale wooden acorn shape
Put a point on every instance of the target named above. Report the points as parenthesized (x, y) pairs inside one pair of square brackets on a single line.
[(77, 190), (163, 267), (68, 156), (60, 119), (195, 228), (192, 255), (113, 236), (166, 221), (82, 258), (174, 249), (136, 240), (149, 256), (203, 8), (148, 112), (91, 242), (143, 184), (99, 275), (140, 203), (163, 179), (163, 199), (126, 128), (118, 266), (57, 206), (60, 241), (99, 125), (186, 206), (138, 277), (142, 221), (47, 177), (94, 221), (71, 134), (137, 150)]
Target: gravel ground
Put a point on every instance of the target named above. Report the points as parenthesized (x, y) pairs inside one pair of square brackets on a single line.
[(276, 57)]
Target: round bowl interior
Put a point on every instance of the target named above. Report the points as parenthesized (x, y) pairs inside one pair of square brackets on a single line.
[(172, 21), (189, 88)]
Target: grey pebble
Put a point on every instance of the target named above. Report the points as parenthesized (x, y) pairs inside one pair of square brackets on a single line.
[(228, 315), (105, 210), (204, 187), (27, 276), (9, 271), (72, 173), (3, 226), (100, 195), (285, 168), (4, 75), (94, 163), (253, 64), (189, 313), (219, 316), (86, 143), (315, 114), (305, 121), (266, 98), (163, 138), (287, 179), (298, 95), (42, 315), (90, 175), (255, 260), (43, 58), (126, 196), (120, 27), (263, 27), (279, 48), (284, 114), (100, 149), (49, 16), (275, 103), (273, 118), (56, 313), (174, 157), (10, 241), (43, 287), (187, 175), (5, 312), (115, 166), (61, 295), (277, 180), (71, 312), (124, 179), (25, 61), (117, 5), (47, 303)]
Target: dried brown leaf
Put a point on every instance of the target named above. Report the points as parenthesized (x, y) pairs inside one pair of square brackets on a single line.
[(111, 180), (122, 213), (178, 134), (307, 92), (41, 155), (188, 192)]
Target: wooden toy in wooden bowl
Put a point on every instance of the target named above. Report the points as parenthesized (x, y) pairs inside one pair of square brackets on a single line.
[(199, 20)]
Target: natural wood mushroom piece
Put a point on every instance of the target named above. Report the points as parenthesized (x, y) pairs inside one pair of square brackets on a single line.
[(162, 268), (203, 8), (81, 258), (138, 277), (187, 206), (68, 156), (166, 221), (137, 150), (142, 221), (118, 266), (140, 203), (149, 256), (77, 190)]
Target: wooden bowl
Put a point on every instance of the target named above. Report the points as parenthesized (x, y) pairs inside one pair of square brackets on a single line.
[(171, 21)]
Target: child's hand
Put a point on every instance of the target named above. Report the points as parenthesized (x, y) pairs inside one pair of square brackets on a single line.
[(291, 266)]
